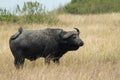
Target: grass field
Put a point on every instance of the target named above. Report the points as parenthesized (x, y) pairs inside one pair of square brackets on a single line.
[(98, 59)]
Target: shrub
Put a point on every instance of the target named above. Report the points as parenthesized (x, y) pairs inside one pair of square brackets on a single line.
[(92, 6)]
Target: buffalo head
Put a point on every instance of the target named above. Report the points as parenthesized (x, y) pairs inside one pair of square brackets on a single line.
[(71, 39)]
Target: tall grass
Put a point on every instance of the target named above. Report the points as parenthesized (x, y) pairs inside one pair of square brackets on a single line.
[(98, 59)]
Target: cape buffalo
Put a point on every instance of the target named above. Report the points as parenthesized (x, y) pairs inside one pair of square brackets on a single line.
[(49, 43)]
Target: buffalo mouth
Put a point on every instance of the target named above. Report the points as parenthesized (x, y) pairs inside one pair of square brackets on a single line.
[(74, 47)]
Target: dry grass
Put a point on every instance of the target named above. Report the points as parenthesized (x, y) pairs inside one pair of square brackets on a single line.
[(98, 59)]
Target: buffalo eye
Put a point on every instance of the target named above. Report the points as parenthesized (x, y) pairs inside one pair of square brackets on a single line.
[(74, 37)]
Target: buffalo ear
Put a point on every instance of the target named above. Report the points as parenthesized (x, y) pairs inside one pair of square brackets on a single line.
[(64, 35), (67, 35)]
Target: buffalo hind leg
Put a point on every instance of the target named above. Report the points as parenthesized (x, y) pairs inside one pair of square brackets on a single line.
[(19, 62), (47, 61)]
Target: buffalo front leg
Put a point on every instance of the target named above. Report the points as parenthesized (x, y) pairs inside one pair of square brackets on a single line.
[(56, 61), (47, 59)]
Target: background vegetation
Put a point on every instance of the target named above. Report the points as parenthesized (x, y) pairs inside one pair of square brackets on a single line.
[(91, 7), (31, 12), (34, 12)]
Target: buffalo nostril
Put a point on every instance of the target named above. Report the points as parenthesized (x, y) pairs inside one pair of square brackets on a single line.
[(82, 43)]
